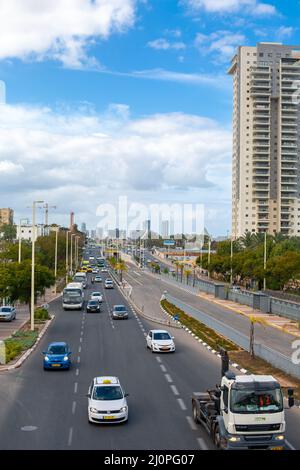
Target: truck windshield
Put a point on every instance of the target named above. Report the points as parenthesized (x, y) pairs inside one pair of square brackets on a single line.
[(256, 401)]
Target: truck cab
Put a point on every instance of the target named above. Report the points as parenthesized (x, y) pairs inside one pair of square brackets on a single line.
[(245, 412)]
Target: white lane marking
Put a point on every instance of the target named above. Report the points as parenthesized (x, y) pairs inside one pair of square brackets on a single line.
[(202, 443), (79, 349), (28, 428), (168, 378), (163, 368), (138, 274), (78, 359), (75, 387), (77, 371), (290, 445), (174, 389), (181, 404), (191, 423), (70, 436), (145, 334), (158, 359), (80, 340), (73, 407), (134, 279)]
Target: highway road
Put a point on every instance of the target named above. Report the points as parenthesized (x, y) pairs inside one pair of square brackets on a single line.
[(147, 291), (48, 409)]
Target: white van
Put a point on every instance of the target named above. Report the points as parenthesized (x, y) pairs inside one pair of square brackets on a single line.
[(81, 277)]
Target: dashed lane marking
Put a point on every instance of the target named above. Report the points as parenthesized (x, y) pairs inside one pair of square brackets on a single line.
[(78, 359), (158, 359), (77, 371), (192, 424), (174, 389), (202, 443), (70, 437), (163, 368), (75, 387), (79, 349), (168, 378), (181, 404)]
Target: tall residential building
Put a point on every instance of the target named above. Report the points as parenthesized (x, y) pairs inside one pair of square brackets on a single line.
[(83, 227), (6, 216), (165, 229), (266, 147)]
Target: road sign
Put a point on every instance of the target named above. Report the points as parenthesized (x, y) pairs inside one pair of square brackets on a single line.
[(169, 242)]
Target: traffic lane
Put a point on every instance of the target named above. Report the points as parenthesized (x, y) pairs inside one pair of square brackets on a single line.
[(269, 336), (8, 328), (292, 417), (42, 398), (156, 420)]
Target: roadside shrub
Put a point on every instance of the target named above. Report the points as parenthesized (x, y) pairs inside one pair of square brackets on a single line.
[(41, 313)]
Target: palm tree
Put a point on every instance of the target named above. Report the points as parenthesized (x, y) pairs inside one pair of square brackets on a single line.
[(177, 264), (121, 267), (187, 273)]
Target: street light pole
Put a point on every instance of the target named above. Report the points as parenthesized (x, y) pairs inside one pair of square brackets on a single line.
[(231, 259), (55, 259), (265, 260), (33, 263), (67, 255), (20, 240), (71, 267), (208, 258)]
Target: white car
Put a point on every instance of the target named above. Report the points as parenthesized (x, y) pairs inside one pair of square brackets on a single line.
[(97, 296), (104, 270), (107, 401), (95, 271), (160, 341), (7, 313), (108, 284)]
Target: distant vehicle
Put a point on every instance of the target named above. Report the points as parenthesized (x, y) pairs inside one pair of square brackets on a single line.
[(91, 258), (119, 312), (98, 279), (95, 271), (81, 277), (107, 401), (7, 313), (73, 296), (236, 288), (90, 269), (97, 296), (108, 284), (93, 306), (57, 356), (104, 270), (160, 341)]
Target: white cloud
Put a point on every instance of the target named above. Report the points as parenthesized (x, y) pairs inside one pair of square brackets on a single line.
[(60, 29), (163, 44), (284, 32), (230, 6), (222, 44), (78, 161)]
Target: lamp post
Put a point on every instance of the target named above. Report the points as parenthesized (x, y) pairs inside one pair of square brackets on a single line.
[(55, 257), (77, 250), (231, 259), (33, 263), (20, 240), (208, 258), (67, 255), (71, 254), (265, 260)]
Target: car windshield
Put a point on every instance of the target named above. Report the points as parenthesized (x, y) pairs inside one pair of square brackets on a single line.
[(108, 281), (256, 401), (161, 336), (57, 349), (109, 392), (119, 308), (5, 309), (93, 302), (96, 294)]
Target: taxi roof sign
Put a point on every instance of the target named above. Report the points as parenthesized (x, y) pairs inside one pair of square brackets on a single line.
[(106, 380)]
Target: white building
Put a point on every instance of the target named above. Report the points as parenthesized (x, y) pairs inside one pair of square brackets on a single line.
[(27, 230), (266, 147)]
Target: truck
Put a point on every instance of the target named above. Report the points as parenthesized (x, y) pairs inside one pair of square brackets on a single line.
[(73, 296), (244, 412)]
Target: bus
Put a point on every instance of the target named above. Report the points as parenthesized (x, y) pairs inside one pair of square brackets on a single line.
[(73, 296)]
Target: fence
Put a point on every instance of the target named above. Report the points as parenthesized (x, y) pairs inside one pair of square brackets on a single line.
[(273, 357)]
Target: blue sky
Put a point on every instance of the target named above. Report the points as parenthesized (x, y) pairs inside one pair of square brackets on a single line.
[(125, 97)]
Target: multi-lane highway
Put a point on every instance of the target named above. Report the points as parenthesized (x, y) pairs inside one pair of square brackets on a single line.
[(48, 409)]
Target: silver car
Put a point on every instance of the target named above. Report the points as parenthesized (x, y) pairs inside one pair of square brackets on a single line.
[(7, 313)]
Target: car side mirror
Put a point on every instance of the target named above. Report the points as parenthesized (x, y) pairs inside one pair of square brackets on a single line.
[(126, 395), (88, 395), (44, 352)]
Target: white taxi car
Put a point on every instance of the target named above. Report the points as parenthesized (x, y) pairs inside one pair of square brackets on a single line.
[(107, 401), (160, 341), (97, 296)]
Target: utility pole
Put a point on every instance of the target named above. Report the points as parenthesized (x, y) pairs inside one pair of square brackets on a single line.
[(47, 207), (265, 260), (67, 256), (33, 263), (55, 257), (231, 259), (208, 258), (20, 239)]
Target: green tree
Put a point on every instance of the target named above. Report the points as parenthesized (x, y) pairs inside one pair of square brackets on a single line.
[(9, 232)]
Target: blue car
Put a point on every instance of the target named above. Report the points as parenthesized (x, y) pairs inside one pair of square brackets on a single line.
[(57, 356)]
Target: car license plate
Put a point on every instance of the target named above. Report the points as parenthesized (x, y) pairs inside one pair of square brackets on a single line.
[(109, 417), (277, 448), (55, 365)]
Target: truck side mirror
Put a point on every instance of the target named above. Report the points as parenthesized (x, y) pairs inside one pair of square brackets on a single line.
[(291, 399)]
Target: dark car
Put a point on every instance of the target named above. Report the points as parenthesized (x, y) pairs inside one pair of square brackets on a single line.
[(57, 356), (119, 312), (93, 306)]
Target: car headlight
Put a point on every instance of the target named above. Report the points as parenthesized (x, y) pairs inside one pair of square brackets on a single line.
[(66, 358), (93, 410), (124, 409), (234, 439), (46, 358), (280, 437)]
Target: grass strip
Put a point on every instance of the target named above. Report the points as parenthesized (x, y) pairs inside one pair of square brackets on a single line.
[(19, 342), (208, 335)]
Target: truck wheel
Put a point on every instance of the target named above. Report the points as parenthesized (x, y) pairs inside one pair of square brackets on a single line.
[(216, 436), (195, 414)]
